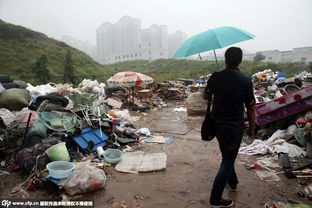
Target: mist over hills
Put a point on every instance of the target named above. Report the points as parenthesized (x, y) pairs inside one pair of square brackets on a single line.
[(20, 47), (84, 46)]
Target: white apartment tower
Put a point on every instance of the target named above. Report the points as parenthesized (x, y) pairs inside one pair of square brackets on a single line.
[(125, 41), (154, 44), (115, 39)]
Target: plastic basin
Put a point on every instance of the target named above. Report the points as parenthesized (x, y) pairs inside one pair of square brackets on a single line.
[(60, 169), (112, 155)]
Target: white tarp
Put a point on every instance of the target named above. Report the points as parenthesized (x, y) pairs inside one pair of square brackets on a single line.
[(268, 162), (275, 144), (285, 147), (258, 147)]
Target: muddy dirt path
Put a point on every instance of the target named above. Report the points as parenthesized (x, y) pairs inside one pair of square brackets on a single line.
[(187, 180), (191, 167)]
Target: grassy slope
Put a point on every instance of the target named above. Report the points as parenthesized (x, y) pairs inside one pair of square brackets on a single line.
[(20, 47), (169, 69)]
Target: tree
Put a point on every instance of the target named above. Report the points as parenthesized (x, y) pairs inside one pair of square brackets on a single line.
[(40, 69), (259, 57), (69, 68)]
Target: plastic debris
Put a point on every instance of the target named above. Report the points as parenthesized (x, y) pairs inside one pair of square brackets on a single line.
[(85, 178), (251, 165), (267, 176), (144, 131), (158, 139)]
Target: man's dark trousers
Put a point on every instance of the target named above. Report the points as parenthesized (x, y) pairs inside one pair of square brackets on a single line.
[(229, 145)]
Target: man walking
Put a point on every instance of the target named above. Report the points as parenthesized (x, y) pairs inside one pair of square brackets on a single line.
[(230, 90)]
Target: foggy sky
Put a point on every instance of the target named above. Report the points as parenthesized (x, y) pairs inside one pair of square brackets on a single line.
[(277, 24)]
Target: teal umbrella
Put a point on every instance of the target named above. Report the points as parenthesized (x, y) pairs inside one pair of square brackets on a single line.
[(212, 39)]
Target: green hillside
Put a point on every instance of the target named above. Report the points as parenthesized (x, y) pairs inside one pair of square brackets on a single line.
[(170, 69), (20, 47)]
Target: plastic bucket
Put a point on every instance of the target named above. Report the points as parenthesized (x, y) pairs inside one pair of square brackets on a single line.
[(60, 169), (299, 136), (58, 152), (291, 88)]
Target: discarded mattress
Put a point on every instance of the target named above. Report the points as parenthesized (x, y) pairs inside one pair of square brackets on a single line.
[(134, 162), (285, 106)]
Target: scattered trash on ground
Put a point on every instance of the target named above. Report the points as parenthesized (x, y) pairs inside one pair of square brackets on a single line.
[(70, 137)]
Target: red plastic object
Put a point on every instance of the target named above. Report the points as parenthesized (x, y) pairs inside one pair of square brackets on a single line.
[(15, 168), (251, 165)]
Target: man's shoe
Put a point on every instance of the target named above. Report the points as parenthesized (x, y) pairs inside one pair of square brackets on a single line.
[(222, 203), (231, 188)]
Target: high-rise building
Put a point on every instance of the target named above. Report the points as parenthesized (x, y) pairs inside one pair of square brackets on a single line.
[(154, 43), (175, 41), (113, 40), (125, 41)]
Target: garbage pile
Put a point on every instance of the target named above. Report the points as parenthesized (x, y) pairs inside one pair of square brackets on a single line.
[(183, 89), (171, 90), (284, 128), (66, 136), (270, 85)]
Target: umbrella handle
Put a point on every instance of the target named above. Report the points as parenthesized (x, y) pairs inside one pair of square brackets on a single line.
[(200, 57), (214, 51)]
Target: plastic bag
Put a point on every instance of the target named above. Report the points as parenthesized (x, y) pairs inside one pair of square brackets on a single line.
[(70, 103), (85, 178), (25, 117), (144, 131), (268, 176), (122, 114), (6, 116), (40, 89), (196, 104), (91, 86), (60, 121), (1, 88), (14, 99)]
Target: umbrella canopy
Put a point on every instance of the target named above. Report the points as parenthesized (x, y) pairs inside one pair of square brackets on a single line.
[(212, 39), (129, 79)]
